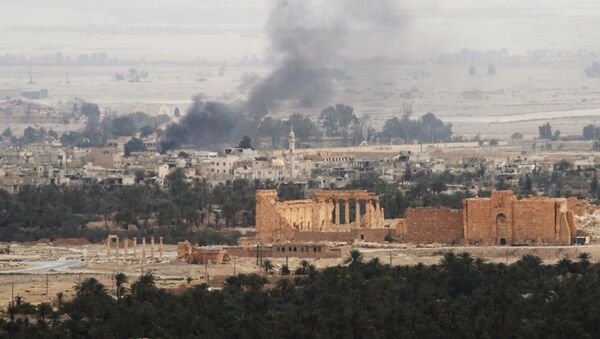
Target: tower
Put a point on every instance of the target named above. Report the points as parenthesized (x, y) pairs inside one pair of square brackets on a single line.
[(291, 154), (292, 140)]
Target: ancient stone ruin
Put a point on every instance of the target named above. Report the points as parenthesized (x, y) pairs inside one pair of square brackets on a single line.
[(329, 216), (201, 255), (351, 215), (125, 245), (501, 219)]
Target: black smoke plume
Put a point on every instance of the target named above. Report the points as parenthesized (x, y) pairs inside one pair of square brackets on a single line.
[(206, 124), (307, 38)]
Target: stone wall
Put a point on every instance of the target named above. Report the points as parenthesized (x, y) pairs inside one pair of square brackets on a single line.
[(250, 251), (433, 225), (307, 250), (347, 216), (504, 220), (330, 215), (361, 234), (270, 224), (401, 230), (292, 250), (537, 221), (200, 255)]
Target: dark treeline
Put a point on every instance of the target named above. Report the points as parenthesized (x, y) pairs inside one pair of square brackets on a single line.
[(545, 132), (428, 129), (565, 180), (177, 212), (425, 190), (98, 130), (182, 209), (591, 132), (462, 297), (340, 121), (30, 135)]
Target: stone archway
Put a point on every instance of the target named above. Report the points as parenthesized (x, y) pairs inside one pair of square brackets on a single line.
[(502, 229)]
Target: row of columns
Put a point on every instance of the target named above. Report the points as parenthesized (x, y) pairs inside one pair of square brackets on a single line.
[(299, 216), (110, 239), (374, 215)]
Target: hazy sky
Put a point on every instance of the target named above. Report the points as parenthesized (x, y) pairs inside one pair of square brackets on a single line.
[(230, 29)]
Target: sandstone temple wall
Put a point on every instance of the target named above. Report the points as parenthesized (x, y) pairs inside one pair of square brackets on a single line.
[(270, 224), (504, 220), (477, 221), (537, 221), (329, 216), (351, 215), (433, 225)]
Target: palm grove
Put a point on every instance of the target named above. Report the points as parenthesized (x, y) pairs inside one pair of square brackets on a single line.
[(461, 297)]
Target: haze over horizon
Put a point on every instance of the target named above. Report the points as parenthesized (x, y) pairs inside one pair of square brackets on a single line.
[(182, 30)]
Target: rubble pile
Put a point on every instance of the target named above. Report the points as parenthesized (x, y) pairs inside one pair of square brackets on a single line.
[(589, 223)]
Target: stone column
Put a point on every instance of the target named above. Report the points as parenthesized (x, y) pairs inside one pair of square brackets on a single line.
[(296, 216), (347, 212), (368, 208), (382, 215), (161, 246), (378, 219), (152, 248), (117, 249), (126, 247), (135, 247), (306, 219), (336, 205), (357, 212), (108, 240), (144, 247)]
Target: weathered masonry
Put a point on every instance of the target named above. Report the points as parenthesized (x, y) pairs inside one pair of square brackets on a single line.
[(328, 216), (501, 219)]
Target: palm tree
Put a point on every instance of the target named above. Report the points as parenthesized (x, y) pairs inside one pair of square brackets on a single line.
[(564, 268), (375, 261), (90, 287), (59, 300), (584, 261), (448, 261), (466, 259), (584, 256), (305, 268), (285, 270), (18, 300), (43, 310), (354, 258), (268, 266), (120, 280)]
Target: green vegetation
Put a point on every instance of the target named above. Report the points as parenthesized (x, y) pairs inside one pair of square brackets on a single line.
[(278, 130), (427, 129), (426, 190), (545, 132), (97, 131), (176, 212), (462, 297)]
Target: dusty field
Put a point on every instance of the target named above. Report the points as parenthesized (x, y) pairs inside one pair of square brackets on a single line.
[(39, 272), (516, 99)]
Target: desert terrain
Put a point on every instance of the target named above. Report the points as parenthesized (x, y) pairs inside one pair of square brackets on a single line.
[(38, 272), (517, 98)]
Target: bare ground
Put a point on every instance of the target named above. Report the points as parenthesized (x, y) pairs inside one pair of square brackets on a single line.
[(39, 272)]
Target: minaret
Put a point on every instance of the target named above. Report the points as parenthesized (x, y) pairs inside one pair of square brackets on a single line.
[(292, 140), (292, 149)]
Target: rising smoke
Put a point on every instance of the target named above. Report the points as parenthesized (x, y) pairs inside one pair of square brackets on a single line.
[(307, 37), (206, 123)]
